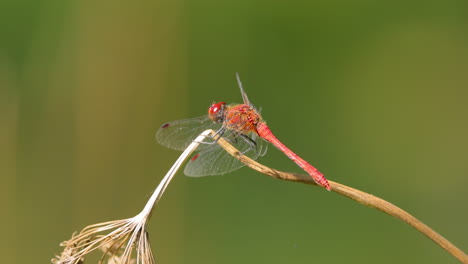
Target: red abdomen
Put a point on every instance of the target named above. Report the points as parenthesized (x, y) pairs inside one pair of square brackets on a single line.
[(264, 132)]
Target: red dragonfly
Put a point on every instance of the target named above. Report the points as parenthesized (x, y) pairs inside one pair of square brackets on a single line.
[(241, 125)]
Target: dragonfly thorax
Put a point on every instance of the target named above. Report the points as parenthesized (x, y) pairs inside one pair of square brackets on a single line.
[(242, 118)]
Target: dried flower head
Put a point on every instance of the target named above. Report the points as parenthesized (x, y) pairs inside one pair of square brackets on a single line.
[(122, 241), (123, 236)]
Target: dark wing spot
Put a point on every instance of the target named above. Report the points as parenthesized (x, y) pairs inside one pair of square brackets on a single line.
[(165, 125), (194, 157)]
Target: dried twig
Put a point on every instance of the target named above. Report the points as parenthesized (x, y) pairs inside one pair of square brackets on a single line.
[(354, 194)]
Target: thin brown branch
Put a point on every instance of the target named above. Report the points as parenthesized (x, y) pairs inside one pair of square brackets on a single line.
[(354, 194)]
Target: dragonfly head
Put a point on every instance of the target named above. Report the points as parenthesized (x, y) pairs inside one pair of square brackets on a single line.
[(216, 112)]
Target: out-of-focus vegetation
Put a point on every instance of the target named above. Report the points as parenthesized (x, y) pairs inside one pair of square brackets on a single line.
[(374, 94)]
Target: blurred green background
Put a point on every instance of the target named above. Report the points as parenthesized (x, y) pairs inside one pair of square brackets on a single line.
[(372, 93)]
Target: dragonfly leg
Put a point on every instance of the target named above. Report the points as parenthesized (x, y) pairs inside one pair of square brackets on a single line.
[(250, 141), (218, 134)]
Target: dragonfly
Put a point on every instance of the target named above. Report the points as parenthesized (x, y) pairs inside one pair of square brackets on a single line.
[(242, 126)]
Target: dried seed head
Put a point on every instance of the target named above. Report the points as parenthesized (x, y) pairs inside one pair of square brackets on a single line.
[(126, 241), (123, 237)]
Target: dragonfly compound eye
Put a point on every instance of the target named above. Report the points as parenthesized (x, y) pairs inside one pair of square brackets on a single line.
[(215, 112)]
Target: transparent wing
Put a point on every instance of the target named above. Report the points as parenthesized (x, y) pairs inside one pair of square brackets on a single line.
[(244, 95), (210, 159), (216, 161), (179, 134)]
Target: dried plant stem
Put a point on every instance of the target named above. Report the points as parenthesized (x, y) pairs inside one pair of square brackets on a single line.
[(127, 240), (354, 194)]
